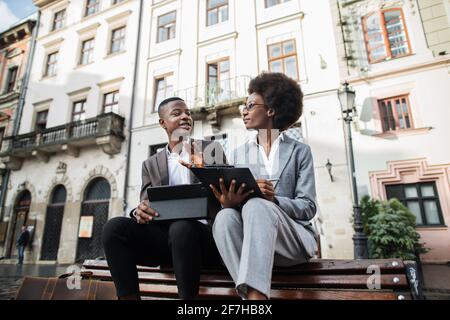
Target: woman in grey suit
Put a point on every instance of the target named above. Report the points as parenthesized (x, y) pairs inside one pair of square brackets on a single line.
[(255, 235)]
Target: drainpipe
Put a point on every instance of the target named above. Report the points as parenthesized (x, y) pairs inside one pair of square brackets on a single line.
[(130, 123), (343, 34), (22, 94)]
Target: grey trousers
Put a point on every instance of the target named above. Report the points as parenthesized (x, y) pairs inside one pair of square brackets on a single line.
[(259, 237)]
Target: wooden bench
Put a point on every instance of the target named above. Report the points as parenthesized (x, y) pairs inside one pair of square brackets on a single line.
[(316, 280)]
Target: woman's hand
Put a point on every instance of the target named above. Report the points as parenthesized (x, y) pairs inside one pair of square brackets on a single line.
[(144, 214), (230, 198), (267, 189)]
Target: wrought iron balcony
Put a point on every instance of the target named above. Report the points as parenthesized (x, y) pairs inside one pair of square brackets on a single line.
[(215, 99), (106, 131)]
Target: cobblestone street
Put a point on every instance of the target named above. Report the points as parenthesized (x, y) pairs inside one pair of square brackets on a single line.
[(11, 276)]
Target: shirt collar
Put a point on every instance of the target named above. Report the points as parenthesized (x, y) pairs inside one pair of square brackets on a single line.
[(168, 152), (254, 137)]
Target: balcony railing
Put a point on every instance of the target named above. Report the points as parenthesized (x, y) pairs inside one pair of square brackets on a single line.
[(222, 93), (105, 130)]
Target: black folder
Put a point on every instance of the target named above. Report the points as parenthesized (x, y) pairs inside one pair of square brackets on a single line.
[(211, 175), (185, 201)]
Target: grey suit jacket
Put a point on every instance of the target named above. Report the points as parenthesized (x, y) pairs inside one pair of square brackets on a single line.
[(155, 171), (295, 190)]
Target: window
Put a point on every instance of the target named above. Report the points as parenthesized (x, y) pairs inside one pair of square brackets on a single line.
[(421, 199), (117, 40), (395, 113), (283, 58), (12, 76), (270, 3), (163, 89), (41, 120), (59, 19), (218, 87), (78, 112), (166, 26), (50, 69), (386, 35), (92, 7), (111, 102), (218, 71), (156, 148), (216, 12), (87, 51)]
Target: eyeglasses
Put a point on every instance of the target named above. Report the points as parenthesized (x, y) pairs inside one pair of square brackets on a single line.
[(249, 107)]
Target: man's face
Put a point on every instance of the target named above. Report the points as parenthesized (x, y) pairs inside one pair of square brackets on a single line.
[(176, 119)]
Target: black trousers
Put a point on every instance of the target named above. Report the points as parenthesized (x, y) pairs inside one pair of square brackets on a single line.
[(188, 246)]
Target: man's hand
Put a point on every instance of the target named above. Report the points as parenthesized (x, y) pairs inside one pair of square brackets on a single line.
[(145, 214), (230, 198), (267, 189), (196, 159)]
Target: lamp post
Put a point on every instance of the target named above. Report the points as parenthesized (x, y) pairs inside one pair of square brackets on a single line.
[(346, 97)]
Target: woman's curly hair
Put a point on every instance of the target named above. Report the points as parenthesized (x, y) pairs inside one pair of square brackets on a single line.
[(280, 93)]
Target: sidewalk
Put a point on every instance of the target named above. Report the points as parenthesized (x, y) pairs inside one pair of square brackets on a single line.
[(11, 276)]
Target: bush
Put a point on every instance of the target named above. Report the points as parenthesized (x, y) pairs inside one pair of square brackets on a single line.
[(391, 230)]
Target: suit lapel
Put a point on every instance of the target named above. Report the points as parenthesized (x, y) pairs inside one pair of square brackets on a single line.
[(285, 150), (161, 162)]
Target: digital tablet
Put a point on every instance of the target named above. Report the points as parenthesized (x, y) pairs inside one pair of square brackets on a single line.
[(211, 175), (180, 202)]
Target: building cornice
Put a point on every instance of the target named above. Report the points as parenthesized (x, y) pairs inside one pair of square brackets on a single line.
[(392, 73), (43, 3), (17, 33)]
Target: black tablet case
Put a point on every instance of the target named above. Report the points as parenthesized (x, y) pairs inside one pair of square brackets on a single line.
[(186, 201), (212, 174)]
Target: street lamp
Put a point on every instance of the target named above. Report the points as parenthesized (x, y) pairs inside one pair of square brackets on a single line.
[(346, 97)]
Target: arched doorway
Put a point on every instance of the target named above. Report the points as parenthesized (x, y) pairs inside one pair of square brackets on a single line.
[(53, 222), (21, 210), (94, 214)]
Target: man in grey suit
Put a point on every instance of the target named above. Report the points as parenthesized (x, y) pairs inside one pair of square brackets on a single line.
[(186, 245), (276, 230)]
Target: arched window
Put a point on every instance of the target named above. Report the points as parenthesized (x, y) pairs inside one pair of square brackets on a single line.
[(94, 214), (21, 209), (53, 224)]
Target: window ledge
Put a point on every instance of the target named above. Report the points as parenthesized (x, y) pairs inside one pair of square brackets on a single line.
[(433, 227), (212, 26), (52, 32), (84, 17), (402, 132), (391, 59), (110, 55), (79, 66), (164, 41), (47, 77)]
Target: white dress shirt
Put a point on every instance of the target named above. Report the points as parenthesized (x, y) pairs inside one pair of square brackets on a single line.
[(270, 162), (178, 174)]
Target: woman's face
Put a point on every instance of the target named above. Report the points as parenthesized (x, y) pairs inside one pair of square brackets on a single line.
[(256, 114)]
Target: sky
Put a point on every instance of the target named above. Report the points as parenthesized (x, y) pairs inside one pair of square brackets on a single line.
[(12, 11)]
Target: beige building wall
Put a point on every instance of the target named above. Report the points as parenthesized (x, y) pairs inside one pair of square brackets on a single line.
[(77, 162), (416, 154), (436, 24)]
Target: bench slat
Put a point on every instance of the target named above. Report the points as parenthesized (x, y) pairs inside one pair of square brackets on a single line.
[(167, 291), (317, 281), (314, 266)]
